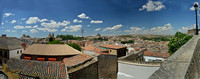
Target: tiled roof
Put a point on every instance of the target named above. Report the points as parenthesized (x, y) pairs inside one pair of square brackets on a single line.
[(50, 50), (113, 46), (10, 43), (95, 49), (76, 60), (42, 69), (156, 54)]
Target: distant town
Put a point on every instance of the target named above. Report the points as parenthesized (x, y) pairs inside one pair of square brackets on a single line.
[(68, 56)]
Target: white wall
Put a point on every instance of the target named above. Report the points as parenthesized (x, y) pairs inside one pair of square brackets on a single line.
[(149, 58), (13, 53)]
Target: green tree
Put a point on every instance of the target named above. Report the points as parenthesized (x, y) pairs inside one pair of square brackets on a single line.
[(177, 41), (68, 37), (55, 42), (129, 41), (75, 46)]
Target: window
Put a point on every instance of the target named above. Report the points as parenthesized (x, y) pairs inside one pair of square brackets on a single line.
[(51, 59), (27, 58), (20, 51), (17, 52), (6, 54), (41, 59), (1, 53)]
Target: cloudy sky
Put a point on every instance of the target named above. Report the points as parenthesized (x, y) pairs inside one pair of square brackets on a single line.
[(38, 18)]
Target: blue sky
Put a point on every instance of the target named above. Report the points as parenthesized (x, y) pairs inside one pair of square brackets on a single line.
[(38, 18)]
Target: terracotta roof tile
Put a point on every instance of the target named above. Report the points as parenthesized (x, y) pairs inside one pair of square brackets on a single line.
[(113, 46), (156, 54), (43, 69), (78, 59), (95, 49)]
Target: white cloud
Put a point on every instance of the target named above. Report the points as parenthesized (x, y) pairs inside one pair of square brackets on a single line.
[(165, 29), (19, 27), (35, 26), (88, 25), (113, 28), (63, 30), (24, 31), (32, 20), (83, 16), (8, 14), (185, 29), (28, 26), (13, 21), (153, 6), (97, 29), (2, 23), (77, 21), (7, 31), (162, 28), (54, 24), (23, 18), (74, 28), (33, 31), (192, 8), (96, 21), (42, 20), (133, 29)]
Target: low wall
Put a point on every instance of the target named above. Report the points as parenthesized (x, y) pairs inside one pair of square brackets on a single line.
[(133, 56), (107, 66), (183, 64), (88, 72)]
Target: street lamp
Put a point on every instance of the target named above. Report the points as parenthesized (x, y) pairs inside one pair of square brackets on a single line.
[(196, 7)]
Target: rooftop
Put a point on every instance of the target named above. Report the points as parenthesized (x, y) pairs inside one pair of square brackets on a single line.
[(51, 50), (76, 60), (10, 43), (156, 54), (41, 69), (113, 46), (95, 49)]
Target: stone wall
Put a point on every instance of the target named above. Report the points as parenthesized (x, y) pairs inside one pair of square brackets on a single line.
[(183, 64), (134, 56), (88, 72), (107, 66)]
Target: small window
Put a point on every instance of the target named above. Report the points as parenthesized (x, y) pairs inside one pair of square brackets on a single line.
[(1, 53), (20, 51), (17, 52)]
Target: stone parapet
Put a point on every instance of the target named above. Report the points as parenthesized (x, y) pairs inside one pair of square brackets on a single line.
[(183, 64)]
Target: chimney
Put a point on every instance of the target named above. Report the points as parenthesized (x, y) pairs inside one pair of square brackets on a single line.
[(3, 35)]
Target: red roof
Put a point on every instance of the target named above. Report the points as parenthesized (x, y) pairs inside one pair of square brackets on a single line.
[(94, 49), (156, 54), (113, 46), (78, 59)]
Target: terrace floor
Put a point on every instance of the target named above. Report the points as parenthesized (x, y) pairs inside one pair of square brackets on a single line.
[(129, 71)]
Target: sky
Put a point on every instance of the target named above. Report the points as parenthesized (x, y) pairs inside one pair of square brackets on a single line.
[(38, 18)]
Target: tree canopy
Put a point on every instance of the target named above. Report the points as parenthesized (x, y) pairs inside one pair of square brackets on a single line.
[(69, 37), (177, 41), (75, 46)]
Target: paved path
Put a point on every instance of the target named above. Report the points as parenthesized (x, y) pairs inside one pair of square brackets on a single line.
[(129, 71)]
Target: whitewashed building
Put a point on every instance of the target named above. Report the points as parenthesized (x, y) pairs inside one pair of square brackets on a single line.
[(10, 47), (155, 56)]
